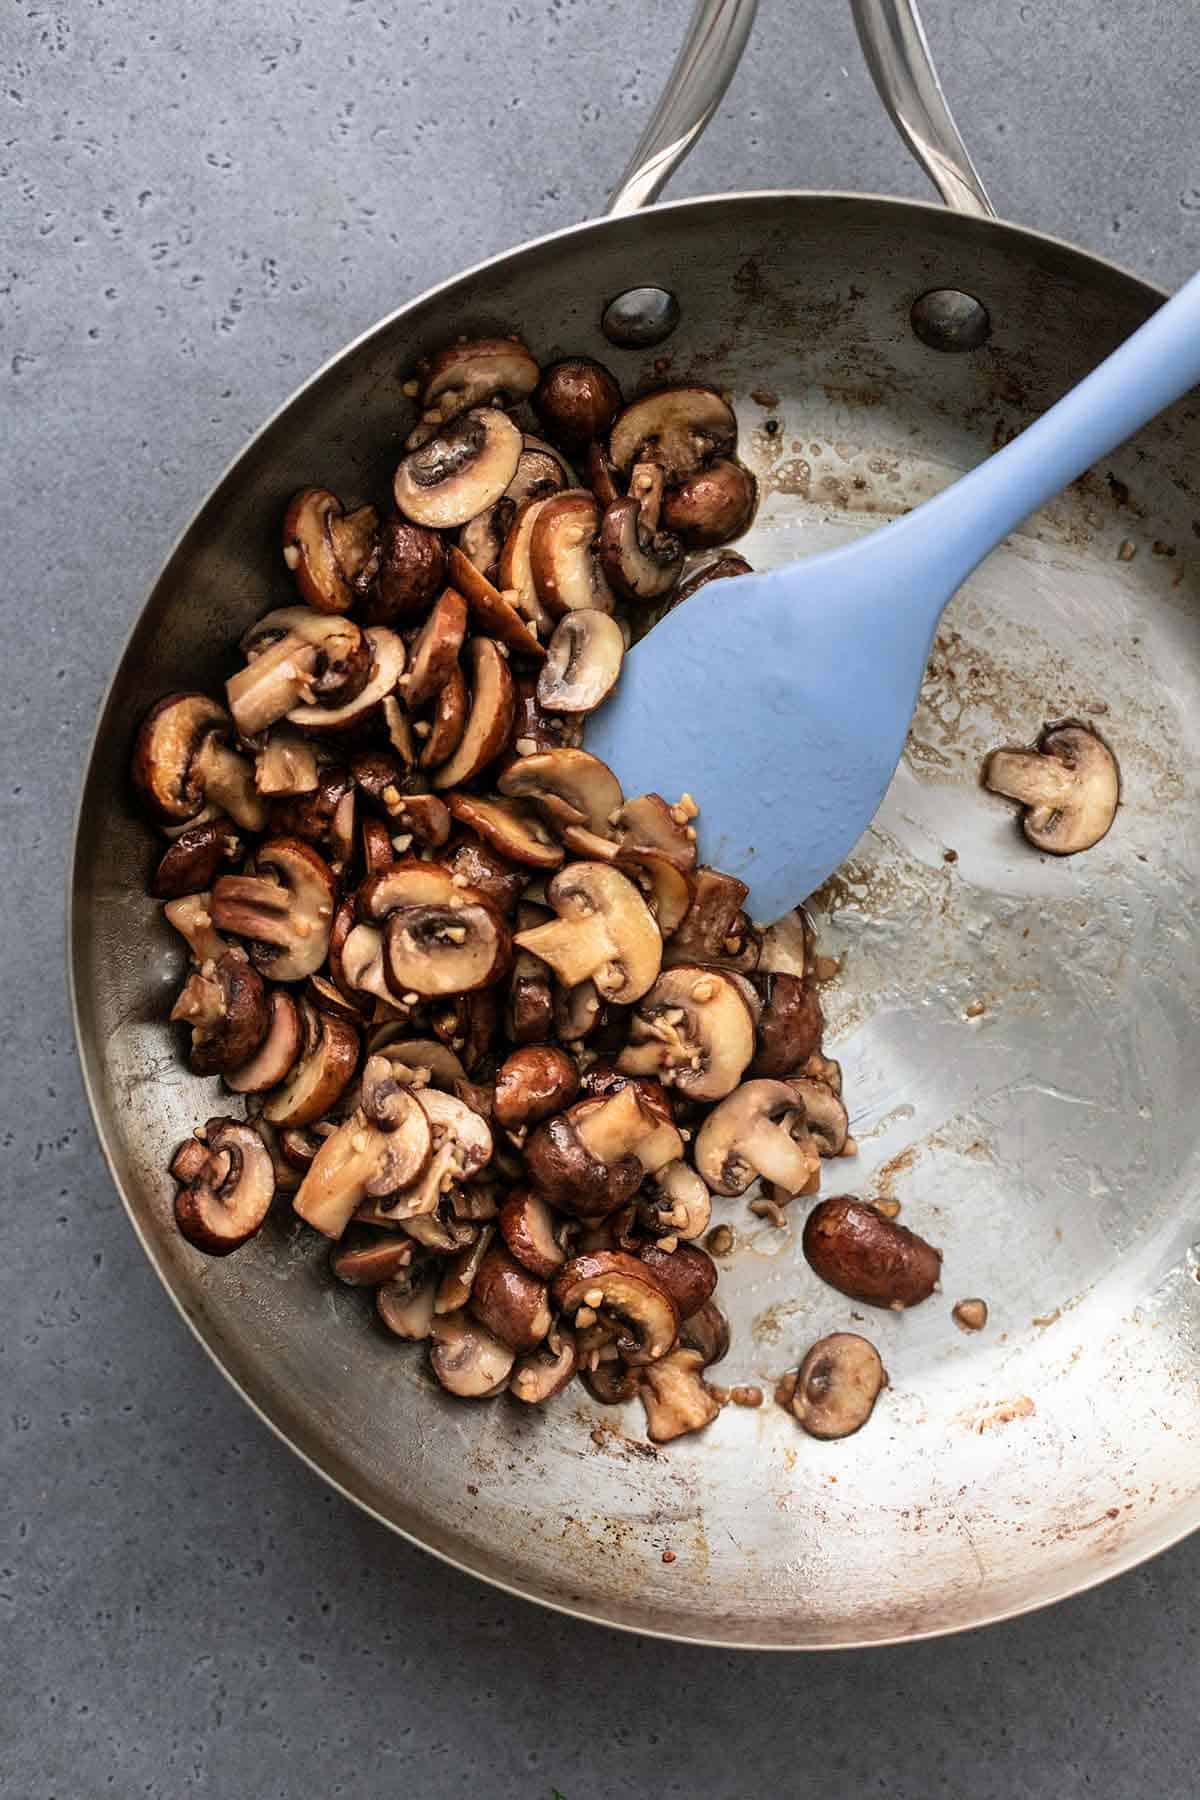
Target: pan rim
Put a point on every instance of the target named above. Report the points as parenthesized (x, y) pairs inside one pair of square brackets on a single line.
[(590, 1613)]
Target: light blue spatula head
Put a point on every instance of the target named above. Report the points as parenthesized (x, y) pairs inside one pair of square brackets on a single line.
[(781, 701)]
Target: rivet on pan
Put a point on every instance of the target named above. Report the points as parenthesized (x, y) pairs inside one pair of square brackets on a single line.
[(640, 317), (946, 319)]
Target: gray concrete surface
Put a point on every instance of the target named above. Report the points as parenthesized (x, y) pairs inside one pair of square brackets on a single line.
[(197, 205)]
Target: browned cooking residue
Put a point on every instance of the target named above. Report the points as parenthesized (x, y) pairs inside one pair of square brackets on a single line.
[(889, 1174), (1003, 1414)]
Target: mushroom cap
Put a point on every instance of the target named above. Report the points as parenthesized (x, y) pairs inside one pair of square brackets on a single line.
[(632, 1299), (856, 1250), (509, 1300), (583, 661), (532, 1083), (688, 1273), (679, 428), (711, 506), (1070, 787), (573, 1177), (693, 1028), (713, 920), (486, 871), (604, 931), (722, 568), (192, 861), (837, 1385), (532, 1232), (460, 471), (577, 400), (647, 824), (412, 569), (467, 1359), (286, 911), (571, 786), (757, 1130), (228, 1190), (790, 1025)]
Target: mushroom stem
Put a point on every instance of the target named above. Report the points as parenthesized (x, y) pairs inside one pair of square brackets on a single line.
[(228, 782), (192, 919), (1032, 779), (201, 1003), (270, 685), (615, 1129), (779, 1157), (575, 948)]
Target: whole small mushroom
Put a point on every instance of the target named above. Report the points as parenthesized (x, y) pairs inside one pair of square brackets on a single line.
[(577, 400), (873, 1259), (532, 1083)]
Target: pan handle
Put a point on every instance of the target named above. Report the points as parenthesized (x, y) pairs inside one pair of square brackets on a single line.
[(897, 54)]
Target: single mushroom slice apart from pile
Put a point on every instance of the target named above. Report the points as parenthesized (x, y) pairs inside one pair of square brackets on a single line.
[(228, 1183), (759, 1130), (1069, 787), (285, 909), (604, 932), (183, 760), (583, 662), (837, 1385), (460, 471), (332, 554), (694, 1031)]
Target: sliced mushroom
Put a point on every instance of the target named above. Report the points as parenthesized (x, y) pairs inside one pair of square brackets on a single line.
[(758, 1130), (514, 571), (677, 1202), (712, 506), (277, 1053), (435, 649), (688, 1274), (449, 721), (609, 1381), (604, 932), (543, 1373), (625, 1294), (602, 476), (578, 1011), (639, 564), (489, 723), (491, 613), (183, 762), (440, 1064), (694, 1031), (675, 1397), (192, 862), (387, 656), (826, 1115), (482, 538), (297, 655), (870, 1258), (462, 1146), (790, 1025), (359, 1160), (512, 829), (470, 374), (564, 557), (722, 568), (484, 869), (331, 553), (458, 1277), (707, 1331), (542, 471), (582, 663), (590, 1159), (367, 1259), (191, 917), (228, 1187), (467, 1359), (322, 1074), (285, 909), (533, 1233), (405, 1304), (679, 428), (412, 570), (451, 945), (577, 400), (361, 960), (460, 471), (225, 1004), (529, 1016), (378, 851), (1069, 786), (532, 1083), (837, 1385), (324, 818), (713, 929), (667, 891), (510, 1301), (286, 764), (572, 787)]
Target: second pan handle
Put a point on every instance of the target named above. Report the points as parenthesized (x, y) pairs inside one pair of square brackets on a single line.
[(897, 54)]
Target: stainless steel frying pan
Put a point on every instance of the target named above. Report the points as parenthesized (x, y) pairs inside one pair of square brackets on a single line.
[(1020, 1035)]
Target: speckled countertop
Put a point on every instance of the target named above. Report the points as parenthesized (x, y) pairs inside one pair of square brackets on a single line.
[(197, 206)]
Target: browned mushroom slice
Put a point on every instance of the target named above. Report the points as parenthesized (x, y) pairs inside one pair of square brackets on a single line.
[(427, 819), (713, 506), (192, 919), (183, 761), (837, 1385), (706, 1331), (694, 1031), (359, 1160), (467, 1359), (225, 1004), (572, 787), (648, 823), (621, 1291), (578, 1011), (634, 1119), (297, 655), (322, 1074), (688, 1274), (639, 564), (514, 570), (542, 471), (440, 1064), (458, 1276), (582, 663), (602, 476), (435, 651), (714, 928), (647, 485), (285, 909), (590, 1159), (680, 428), (529, 1016), (563, 554), (604, 932), (667, 891), (441, 1232), (361, 961), (721, 568), (789, 1027), (533, 1232), (228, 1189), (286, 764), (327, 997), (489, 723), (459, 472), (378, 851), (436, 948), (387, 666), (1069, 787), (325, 818), (405, 1304), (448, 723), (409, 882), (676, 1399), (412, 569), (365, 1259), (543, 1373), (485, 870), (577, 400), (473, 374), (462, 1146), (481, 539), (491, 613), (384, 780), (758, 1130), (510, 1301), (278, 1052), (532, 1083), (825, 1113), (513, 830), (330, 552), (191, 864), (676, 1202), (789, 946)]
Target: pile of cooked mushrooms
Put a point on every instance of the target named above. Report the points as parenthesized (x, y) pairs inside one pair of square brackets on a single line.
[(500, 1034)]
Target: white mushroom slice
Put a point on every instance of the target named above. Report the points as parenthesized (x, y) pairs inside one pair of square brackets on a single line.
[(640, 565), (571, 786), (472, 374), (358, 1160), (757, 1130), (286, 764), (387, 666), (563, 555), (1069, 785), (321, 1076), (693, 1031), (683, 1204), (435, 948), (440, 1064), (458, 1278), (511, 829), (296, 654), (467, 1359), (362, 962), (826, 1116), (543, 1373), (192, 919), (514, 570), (405, 1305), (582, 663), (648, 823), (676, 1399), (667, 890), (679, 428), (229, 1183), (461, 471), (789, 946), (490, 721), (542, 471), (286, 910), (604, 931), (277, 1053)]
